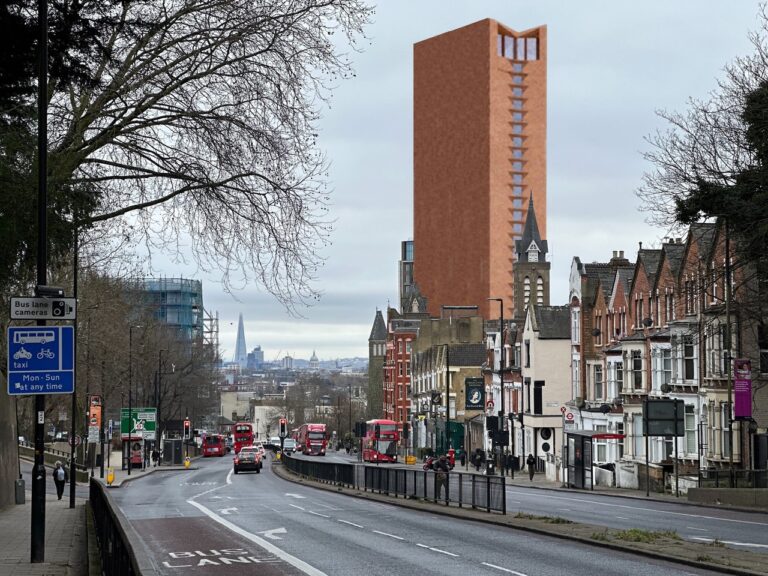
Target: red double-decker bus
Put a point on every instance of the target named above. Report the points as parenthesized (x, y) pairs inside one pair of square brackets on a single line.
[(312, 438), (242, 434), (213, 445), (380, 441)]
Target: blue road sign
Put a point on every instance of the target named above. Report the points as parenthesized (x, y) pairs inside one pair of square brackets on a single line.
[(41, 360)]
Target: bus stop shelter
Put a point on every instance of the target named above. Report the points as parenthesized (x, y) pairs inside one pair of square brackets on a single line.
[(578, 447)]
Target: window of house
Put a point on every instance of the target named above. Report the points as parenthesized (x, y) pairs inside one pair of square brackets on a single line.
[(637, 369), (598, 382), (407, 368), (538, 396), (517, 92), (520, 49), (517, 166), (689, 358), (665, 366), (399, 368), (517, 203), (713, 273), (657, 300), (637, 436), (517, 129), (575, 378), (517, 227), (509, 47), (517, 190), (669, 307), (619, 378), (690, 430), (517, 154), (601, 444), (620, 441), (725, 416), (527, 353), (517, 67), (408, 346), (575, 326), (689, 297), (517, 79), (651, 301), (639, 312), (517, 104), (762, 342)]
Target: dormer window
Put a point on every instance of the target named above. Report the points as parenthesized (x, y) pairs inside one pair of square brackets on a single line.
[(533, 252)]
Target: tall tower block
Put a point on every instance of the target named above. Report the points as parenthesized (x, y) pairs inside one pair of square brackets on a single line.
[(241, 354), (480, 119)]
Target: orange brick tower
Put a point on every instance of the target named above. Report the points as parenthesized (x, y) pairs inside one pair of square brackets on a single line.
[(480, 120)]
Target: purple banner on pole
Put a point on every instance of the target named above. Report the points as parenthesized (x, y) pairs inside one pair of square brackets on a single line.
[(742, 389)]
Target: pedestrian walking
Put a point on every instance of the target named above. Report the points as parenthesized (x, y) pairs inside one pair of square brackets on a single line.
[(510, 463), (462, 457), (155, 457), (59, 478), (443, 468), (531, 462), (478, 459)]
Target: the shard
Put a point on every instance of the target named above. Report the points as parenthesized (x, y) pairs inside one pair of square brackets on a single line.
[(241, 355)]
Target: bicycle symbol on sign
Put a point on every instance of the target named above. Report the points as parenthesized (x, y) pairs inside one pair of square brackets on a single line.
[(45, 353)]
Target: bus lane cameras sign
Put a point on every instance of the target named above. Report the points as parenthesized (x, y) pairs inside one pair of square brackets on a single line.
[(41, 360)]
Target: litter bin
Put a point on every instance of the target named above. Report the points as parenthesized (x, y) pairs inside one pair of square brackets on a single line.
[(20, 492)]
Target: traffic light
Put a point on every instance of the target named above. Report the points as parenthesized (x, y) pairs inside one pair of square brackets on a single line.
[(187, 429), (283, 430), (491, 425)]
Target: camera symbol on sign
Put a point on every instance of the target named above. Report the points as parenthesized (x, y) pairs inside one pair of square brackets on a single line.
[(59, 308)]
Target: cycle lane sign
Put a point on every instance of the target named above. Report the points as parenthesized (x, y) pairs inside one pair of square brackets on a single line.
[(41, 360)]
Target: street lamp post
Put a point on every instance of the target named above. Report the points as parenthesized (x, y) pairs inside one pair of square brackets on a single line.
[(158, 392), (130, 393), (502, 412), (447, 397)]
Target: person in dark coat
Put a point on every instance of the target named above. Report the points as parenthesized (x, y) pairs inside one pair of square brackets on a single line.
[(442, 467), (478, 459), (59, 478), (531, 462)]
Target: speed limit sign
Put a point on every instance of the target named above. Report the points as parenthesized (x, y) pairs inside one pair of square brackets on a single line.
[(569, 416)]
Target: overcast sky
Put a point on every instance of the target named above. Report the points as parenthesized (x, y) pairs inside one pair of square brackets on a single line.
[(611, 65)]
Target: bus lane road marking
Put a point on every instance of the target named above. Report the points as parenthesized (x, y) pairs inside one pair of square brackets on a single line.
[(350, 523), (318, 514), (299, 507), (268, 546), (584, 500)]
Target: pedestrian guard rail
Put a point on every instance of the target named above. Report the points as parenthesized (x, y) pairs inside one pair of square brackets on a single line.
[(460, 489), (733, 478), (115, 534)]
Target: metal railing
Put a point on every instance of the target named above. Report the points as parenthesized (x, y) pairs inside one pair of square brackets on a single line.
[(115, 551), (733, 478), (453, 489)]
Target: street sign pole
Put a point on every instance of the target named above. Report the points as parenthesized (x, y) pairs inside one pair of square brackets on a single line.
[(37, 536)]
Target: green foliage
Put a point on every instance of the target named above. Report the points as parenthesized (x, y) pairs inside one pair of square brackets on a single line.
[(647, 536), (547, 519)]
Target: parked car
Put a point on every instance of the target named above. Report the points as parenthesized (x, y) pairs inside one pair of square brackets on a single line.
[(289, 445), (249, 458)]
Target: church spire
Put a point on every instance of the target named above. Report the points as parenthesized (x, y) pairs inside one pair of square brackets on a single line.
[(531, 247)]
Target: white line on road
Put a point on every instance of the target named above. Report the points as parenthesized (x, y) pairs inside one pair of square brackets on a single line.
[(350, 523), (229, 477), (565, 509), (699, 529), (327, 506), (299, 507), (622, 517), (748, 544), (437, 550), (507, 570), (390, 535), (318, 514), (584, 500), (292, 560)]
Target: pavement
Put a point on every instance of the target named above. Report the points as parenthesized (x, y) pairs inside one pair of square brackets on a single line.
[(66, 531)]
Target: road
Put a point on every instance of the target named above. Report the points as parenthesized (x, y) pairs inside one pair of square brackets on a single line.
[(209, 521), (746, 530)]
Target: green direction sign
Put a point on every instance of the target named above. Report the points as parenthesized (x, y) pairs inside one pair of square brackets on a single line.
[(142, 423)]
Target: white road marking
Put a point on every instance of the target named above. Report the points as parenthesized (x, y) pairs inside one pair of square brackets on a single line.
[(350, 523), (387, 534), (622, 517), (318, 514), (294, 495), (699, 529), (299, 507), (226, 511), (292, 560), (507, 570), (271, 533), (565, 509), (647, 509), (327, 506), (437, 550), (229, 477), (748, 544)]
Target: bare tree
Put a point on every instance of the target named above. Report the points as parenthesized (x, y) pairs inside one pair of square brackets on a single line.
[(200, 138)]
